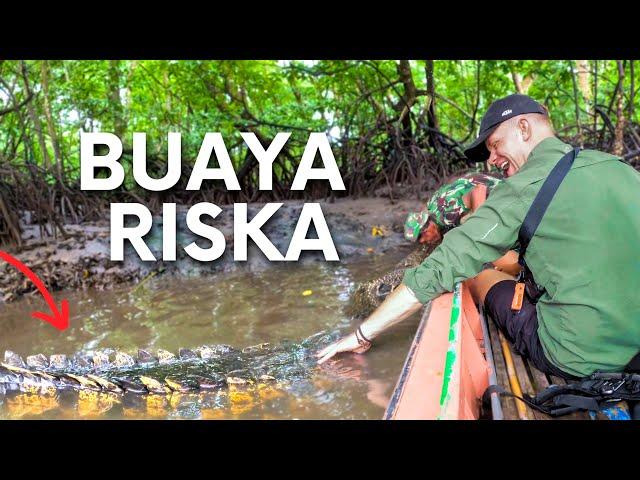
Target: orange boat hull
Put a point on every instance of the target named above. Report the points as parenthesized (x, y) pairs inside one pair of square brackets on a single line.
[(446, 372)]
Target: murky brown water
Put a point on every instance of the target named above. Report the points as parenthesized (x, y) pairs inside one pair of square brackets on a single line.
[(237, 309)]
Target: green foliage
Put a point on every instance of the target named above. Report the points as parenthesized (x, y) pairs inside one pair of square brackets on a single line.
[(346, 99)]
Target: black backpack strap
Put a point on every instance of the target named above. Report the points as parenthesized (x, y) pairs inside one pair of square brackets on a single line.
[(555, 400), (533, 402), (543, 199), (634, 364), (576, 402), (590, 393)]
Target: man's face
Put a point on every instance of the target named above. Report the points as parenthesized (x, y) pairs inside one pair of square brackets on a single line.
[(508, 146), (431, 234)]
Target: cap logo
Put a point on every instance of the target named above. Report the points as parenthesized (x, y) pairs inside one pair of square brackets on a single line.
[(506, 112)]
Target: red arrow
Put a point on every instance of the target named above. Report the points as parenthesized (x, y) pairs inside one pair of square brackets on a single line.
[(59, 319)]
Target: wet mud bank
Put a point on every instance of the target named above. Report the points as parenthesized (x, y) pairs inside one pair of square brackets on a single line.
[(82, 261)]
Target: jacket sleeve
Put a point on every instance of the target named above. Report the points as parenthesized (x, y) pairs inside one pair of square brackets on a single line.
[(487, 235)]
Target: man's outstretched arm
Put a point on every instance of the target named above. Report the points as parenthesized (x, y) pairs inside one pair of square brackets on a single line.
[(400, 304), (484, 237)]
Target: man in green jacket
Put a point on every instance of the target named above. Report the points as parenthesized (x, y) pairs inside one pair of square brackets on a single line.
[(584, 252)]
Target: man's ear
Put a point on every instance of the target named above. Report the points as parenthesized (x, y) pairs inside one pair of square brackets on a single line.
[(525, 128)]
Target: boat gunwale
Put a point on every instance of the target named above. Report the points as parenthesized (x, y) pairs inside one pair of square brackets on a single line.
[(406, 367)]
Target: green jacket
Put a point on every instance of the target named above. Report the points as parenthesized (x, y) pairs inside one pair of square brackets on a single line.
[(585, 253)]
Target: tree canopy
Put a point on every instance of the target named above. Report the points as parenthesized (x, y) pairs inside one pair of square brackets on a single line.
[(390, 122)]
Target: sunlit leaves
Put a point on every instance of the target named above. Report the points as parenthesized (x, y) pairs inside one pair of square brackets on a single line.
[(349, 98)]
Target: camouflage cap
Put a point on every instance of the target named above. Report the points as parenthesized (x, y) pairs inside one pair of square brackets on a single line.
[(447, 206), (414, 224)]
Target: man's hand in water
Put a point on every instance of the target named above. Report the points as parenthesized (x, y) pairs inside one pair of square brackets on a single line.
[(345, 344), (400, 304)]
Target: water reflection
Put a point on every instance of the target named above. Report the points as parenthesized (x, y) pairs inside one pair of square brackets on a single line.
[(237, 309)]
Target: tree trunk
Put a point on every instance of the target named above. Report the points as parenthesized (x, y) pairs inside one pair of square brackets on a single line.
[(618, 143), (527, 82), (167, 103), (522, 85), (10, 232), (115, 100), (431, 96), (407, 101), (432, 118), (582, 71), (632, 91), (517, 81), (576, 103), (595, 95), (35, 120), (410, 90), (409, 96), (44, 71)]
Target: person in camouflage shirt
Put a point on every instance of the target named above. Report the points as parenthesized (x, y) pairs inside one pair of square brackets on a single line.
[(449, 207)]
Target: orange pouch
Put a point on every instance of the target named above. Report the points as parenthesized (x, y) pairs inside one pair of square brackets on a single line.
[(518, 296)]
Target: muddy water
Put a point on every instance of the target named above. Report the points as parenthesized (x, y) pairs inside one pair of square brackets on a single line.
[(238, 309)]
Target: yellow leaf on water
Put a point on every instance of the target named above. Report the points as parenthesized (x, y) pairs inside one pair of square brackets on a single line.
[(379, 231)]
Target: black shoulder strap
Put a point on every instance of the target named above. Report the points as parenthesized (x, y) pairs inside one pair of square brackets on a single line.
[(543, 199)]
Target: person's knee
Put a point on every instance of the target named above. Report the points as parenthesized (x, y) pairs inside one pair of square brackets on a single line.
[(480, 285)]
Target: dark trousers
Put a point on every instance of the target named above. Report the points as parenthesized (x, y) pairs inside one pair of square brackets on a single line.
[(521, 327)]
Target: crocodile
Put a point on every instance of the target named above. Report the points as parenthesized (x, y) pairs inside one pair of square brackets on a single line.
[(205, 368), (369, 295)]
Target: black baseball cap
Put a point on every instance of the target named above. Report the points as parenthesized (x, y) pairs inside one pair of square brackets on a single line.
[(499, 111)]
